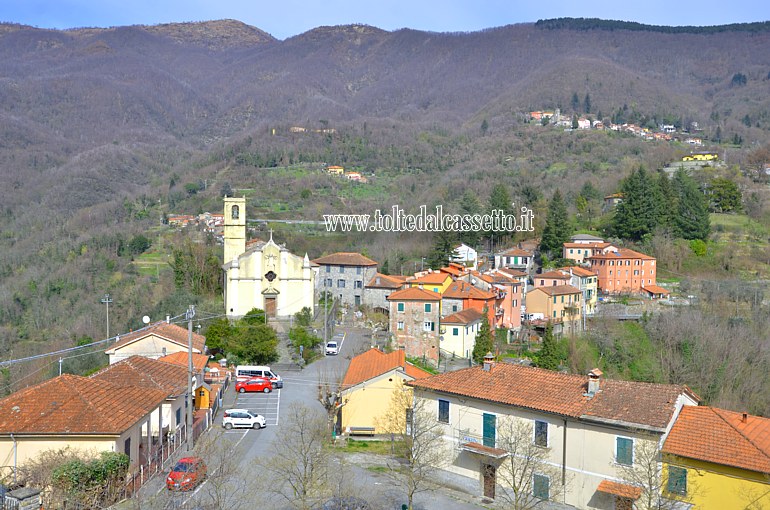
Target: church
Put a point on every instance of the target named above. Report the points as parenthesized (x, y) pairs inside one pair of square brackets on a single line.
[(266, 275)]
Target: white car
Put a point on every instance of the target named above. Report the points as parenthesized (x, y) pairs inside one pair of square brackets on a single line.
[(332, 348), (236, 418)]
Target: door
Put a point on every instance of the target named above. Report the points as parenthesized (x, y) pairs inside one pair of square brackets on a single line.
[(489, 430), (270, 307), (623, 503), (489, 480)]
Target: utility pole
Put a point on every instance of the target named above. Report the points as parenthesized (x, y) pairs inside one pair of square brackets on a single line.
[(106, 300), (189, 316), (60, 362), (326, 312)]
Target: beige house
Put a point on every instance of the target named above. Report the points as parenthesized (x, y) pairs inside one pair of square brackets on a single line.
[(154, 341), (266, 276), (367, 390), (458, 332), (589, 428), (77, 412), (560, 304)]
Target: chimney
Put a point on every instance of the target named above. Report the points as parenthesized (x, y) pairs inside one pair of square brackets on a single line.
[(168, 319), (594, 381), (744, 417), (489, 362)]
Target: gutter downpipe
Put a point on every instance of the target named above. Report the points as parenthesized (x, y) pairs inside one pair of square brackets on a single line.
[(564, 458), (15, 452)]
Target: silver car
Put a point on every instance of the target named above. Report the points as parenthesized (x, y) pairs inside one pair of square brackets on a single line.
[(237, 418)]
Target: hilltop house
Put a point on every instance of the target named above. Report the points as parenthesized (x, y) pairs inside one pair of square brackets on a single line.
[(588, 427)]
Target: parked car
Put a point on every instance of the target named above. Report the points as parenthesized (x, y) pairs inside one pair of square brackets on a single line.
[(186, 474), (246, 372), (254, 384), (332, 348), (236, 418)]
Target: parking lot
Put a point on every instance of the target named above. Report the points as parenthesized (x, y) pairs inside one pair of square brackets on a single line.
[(266, 404)]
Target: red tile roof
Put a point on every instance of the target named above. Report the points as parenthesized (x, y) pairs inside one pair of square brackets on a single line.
[(594, 246), (723, 437), (512, 252), (513, 273), (578, 271), (463, 317), (374, 362), (162, 329), (436, 278), (344, 258), (146, 373), (464, 290), (414, 294), (553, 275), (622, 253), (70, 404), (632, 403), (655, 289), (386, 281), (180, 358), (620, 489), (556, 290)]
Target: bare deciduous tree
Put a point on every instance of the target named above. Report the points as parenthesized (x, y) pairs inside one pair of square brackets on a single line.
[(516, 474), (330, 396)]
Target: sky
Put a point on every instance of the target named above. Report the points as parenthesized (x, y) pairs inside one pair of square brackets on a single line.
[(286, 18)]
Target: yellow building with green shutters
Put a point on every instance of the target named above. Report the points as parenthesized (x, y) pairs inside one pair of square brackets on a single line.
[(716, 459)]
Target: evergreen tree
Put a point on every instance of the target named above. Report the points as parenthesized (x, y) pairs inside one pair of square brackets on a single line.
[(548, 356), (667, 198), (587, 104), (575, 102), (443, 247), (557, 227), (484, 340), (469, 204), (692, 216), (499, 200), (639, 213), (725, 195), (384, 269)]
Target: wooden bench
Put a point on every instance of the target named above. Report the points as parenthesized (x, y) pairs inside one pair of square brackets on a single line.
[(361, 431)]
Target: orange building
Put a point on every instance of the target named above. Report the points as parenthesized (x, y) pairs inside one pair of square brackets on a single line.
[(462, 295), (626, 271)]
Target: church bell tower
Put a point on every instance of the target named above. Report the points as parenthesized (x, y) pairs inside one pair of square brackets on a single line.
[(235, 228)]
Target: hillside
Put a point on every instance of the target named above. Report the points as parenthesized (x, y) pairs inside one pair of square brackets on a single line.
[(105, 131)]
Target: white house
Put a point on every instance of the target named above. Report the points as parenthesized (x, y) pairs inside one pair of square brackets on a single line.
[(465, 255)]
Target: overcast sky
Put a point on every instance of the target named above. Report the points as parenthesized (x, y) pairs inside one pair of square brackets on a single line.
[(286, 18)]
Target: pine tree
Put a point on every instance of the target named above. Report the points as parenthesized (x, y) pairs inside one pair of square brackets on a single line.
[(548, 356), (443, 247), (499, 200), (484, 340), (557, 227), (668, 198), (384, 269), (469, 204), (692, 217), (587, 104), (639, 213)]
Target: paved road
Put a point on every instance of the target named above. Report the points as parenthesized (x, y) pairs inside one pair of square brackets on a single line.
[(300, 386)]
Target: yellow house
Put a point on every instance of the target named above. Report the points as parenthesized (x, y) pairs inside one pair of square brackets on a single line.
[(436, 281), (559, 303), (335, 170), (718, 460), (82, 413), (458, 332), (368, 388)]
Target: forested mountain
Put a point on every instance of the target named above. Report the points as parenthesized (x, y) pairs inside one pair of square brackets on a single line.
[(104, 131)]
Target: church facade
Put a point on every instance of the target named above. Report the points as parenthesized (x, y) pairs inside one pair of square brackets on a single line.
[(266, 275)]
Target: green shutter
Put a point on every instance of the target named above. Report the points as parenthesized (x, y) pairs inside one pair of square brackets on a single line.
[(625, 451), (489, 430), (677, 480), (540, 486)]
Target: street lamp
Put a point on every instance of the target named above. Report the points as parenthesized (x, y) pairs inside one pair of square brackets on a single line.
[(106, 300)]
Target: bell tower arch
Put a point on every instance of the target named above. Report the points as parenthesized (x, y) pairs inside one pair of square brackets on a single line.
[(235, 228)]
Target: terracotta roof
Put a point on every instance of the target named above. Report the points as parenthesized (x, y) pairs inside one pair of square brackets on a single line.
[(634, 403), (386, 281), (146, 373), (454, 271), (414, 294), (514, 252), (722, 437), (436, 278), (578, 271), (501, 278), (554, 275), (344, 258), (464, 290), (463, 317), (162, 329), (513, 273), (599, 246), (556, 290), (374, 362), (655, 289), (622, 253), (620, 489), (488, 451), (70, 404), (180, 358)]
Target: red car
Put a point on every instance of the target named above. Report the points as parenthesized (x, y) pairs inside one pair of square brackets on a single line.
[(187, 474), (255, 384)]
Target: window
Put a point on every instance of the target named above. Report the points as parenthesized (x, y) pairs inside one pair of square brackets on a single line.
[(329, 282), (427, 307), (400, 326), (454, 308), (427, 326), (677, 480), (554, 300), (342, 269), (541, 433), (624, 451), (127, 446), (542, 282), (541, 486), (358, 270), (443, 411), (359, 284), (489, 424), (455, 331), (340, 283), (570, 250), (235, 212), (400, 307), (328, 269), (178, 416)]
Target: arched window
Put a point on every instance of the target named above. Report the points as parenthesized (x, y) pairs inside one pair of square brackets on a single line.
[(234, 212)]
